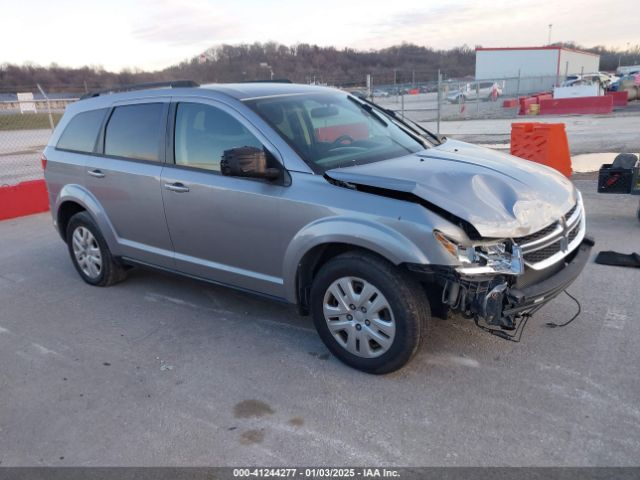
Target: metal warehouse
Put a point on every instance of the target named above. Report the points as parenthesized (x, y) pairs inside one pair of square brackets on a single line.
[(530, 69)]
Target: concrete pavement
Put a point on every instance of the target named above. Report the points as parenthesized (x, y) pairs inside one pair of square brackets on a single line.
[(161, 370), (586, 133)]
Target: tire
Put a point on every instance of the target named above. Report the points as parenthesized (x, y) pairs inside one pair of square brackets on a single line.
[(400, 327), (99, 268)]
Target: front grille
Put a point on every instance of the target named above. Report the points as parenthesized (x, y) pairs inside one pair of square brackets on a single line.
[(570, 212), (542, 254), (545, 231), (537, 235), (574, 233), (546, 246)]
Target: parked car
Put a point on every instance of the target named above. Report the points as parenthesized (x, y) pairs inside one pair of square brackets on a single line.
[(473, 91), (629, 83), (312, 196), (380, 93), (601, 78)]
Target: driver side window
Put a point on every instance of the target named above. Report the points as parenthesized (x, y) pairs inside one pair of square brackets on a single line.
[(203, 133)]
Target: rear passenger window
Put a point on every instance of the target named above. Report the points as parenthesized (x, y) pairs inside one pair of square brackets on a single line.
[(134, 131), (203, 133), (81, 133)]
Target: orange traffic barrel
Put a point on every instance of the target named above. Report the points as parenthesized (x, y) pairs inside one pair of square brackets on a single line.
[(544, 143)]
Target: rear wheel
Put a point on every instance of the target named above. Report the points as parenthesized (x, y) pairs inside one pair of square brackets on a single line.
[(368, 313), (90, 254)]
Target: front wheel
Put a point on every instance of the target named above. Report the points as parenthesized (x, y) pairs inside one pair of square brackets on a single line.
[(368, 313)]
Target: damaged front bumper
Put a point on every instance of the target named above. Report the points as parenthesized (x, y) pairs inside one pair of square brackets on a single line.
[(499, 301)]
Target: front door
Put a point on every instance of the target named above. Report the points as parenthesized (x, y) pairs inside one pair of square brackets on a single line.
[(223, 228)]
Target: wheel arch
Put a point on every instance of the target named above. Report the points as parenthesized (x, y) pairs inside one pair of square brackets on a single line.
[(75, 198), (320, 242), (66, 210)]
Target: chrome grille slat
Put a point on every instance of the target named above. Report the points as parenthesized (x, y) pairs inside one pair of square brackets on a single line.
[(543, 253), (543, 241), (536, 235), (571, 212), (552, 243)]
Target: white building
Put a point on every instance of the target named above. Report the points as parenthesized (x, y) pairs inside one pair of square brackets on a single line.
[(538, 68)]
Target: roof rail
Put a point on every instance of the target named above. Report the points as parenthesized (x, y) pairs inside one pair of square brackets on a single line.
[(141, 86), (275, 80)]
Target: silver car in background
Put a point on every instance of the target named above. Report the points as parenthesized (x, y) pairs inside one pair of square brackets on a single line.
[(475, 91), (312, 196)]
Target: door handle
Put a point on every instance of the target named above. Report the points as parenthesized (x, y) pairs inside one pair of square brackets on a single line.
[(176, 187), (96, 173)]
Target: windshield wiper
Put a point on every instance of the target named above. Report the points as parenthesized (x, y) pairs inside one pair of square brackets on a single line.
[(415, 127), (369, 109)]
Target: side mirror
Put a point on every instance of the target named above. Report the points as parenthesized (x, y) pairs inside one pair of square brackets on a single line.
[(247, 162)]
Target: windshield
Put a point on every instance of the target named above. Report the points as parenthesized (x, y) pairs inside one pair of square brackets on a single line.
[(333, 130)]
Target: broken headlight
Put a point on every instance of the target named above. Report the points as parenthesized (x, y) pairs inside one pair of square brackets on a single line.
[(484, 257)]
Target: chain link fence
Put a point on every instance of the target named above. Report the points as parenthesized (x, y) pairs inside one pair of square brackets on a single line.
[(28, 114), (442, 98), (27, 119)]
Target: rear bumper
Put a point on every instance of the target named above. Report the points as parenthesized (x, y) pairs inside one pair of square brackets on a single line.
[(537, 294)]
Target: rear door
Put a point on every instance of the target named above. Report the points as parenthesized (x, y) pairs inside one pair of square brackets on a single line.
[(223, 228), (125, 178)]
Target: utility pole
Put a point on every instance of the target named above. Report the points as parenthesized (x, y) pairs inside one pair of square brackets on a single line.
[(549, 37)]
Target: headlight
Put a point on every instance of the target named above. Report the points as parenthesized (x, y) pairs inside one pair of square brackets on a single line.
[(486, 257)]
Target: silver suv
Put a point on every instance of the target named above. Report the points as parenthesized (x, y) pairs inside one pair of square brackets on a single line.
[(312, 196)]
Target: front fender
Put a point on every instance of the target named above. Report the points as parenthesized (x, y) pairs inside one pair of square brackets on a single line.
[(83, 197), (372, 236)]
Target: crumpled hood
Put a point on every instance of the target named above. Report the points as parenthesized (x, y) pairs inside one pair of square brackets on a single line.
[(500, 195)]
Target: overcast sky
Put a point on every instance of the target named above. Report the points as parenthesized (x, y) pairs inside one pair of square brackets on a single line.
[(152, 34)]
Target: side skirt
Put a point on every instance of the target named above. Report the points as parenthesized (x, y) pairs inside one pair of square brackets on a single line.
[(149, 266)]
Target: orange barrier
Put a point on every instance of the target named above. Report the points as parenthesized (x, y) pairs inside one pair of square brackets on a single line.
[(544, 143), (23, 199), (510, 103)]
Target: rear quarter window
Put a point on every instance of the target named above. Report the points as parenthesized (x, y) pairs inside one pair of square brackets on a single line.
[(134, 131), (81, 133)]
